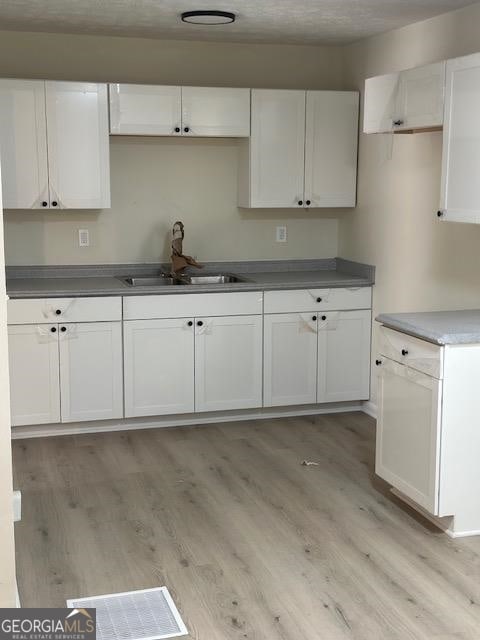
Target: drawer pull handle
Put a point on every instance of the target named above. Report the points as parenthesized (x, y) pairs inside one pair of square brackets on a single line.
[(378, 362), (58, 312), (324, 317), (53, 329), (404, 352), (63, 329), (200, 323), (319, 299), (314, 318), (190, 323)]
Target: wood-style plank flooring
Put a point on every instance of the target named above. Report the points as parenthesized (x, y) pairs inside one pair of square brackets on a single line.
[(250, 543)]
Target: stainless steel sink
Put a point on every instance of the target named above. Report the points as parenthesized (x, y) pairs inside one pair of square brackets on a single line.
[(150, 281), (218, 278)]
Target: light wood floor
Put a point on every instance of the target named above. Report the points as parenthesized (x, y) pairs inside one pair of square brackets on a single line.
[(250, 543)]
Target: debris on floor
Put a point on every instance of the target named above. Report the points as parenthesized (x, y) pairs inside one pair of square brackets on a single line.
[(309, 463)]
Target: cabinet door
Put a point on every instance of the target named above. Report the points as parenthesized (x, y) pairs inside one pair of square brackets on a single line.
[(420, 98), (290, 359), (158, 364), (91, 380), (145, 110), (344, 356), (408, 432), (331, 148), (460, 190), (23, 144), (381, 94), (34, 376), (228, 363), (208, 111), (277, 148), (78, 145)]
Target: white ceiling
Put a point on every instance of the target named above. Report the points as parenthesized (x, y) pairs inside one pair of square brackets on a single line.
[(280, 21)]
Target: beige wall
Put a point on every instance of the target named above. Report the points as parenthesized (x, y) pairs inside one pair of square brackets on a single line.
[(157, 181), (422, 264)]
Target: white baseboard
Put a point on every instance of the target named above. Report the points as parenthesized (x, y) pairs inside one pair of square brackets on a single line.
[(197, 419), (370, 409)]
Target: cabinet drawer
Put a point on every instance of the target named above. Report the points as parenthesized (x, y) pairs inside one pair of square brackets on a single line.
[(192, 305), (418, 354), (47, 310), (302, 300)]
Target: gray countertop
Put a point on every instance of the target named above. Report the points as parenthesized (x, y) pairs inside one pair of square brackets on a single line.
[(103, 280), (439, 327)]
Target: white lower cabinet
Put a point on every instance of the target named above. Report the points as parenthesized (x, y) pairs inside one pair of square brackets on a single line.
[(65, 373), (316, 357), (344, 356), (81, 362), (158, 364), (34, 374), (228, 363), (408, 432), (91, 380), (290, 359)]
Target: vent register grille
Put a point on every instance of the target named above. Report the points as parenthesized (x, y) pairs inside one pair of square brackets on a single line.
[(149, 614)]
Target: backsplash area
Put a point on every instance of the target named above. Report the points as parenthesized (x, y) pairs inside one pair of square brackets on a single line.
[(156, 181)]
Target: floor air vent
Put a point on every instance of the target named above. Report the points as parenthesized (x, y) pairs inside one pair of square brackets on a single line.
[(150, 614)]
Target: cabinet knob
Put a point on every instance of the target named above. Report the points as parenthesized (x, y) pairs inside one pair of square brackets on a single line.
[(398, 123), (177, 129), (200, 323), (54, 203), (300, 203), (190, 323), (63, 329), (404, 352), (186, 129), (58, 311), (44, 203), (314, 318), (324, 317), (319, 299), (308, 202), (439, 214), (53, 329), (378, 362)]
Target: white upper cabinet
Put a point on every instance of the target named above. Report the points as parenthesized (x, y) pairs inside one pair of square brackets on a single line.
[(302, 151), (150, 110), (421, 95), (409, 100), (179, 111), (78, 145), (54, 145), (380, 103), (274, 160), (23, 144), (460, 190), (208, 111), (331, 142)]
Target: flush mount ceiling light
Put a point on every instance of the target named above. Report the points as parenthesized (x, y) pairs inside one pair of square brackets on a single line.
[(208, 17)]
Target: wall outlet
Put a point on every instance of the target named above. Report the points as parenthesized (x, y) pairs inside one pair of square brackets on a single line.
[(281, 235), (83, 238)]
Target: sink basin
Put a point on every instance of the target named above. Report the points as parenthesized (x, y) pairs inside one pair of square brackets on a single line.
[(219, 278), (150, 281)]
